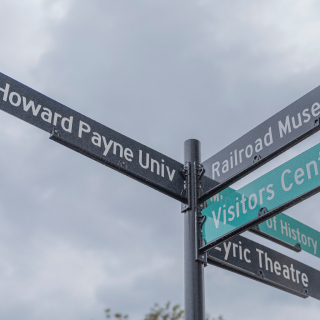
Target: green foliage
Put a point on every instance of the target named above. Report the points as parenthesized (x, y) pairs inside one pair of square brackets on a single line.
[(165, 313), (118, 316)]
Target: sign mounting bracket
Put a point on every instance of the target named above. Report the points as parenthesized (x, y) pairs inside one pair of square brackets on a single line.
[(186, 171)]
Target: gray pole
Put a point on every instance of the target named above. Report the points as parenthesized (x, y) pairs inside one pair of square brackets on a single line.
[(193, 269)]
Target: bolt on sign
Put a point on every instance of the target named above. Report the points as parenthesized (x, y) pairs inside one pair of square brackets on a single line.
[(286, 183)]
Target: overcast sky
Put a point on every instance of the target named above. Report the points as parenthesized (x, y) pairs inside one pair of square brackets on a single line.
[(77, 237)]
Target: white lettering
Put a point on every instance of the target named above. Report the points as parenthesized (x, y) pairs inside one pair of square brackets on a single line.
[(170, 174), (30, 104), (297, 176), (11, 96), (307, 115), (55, 118), (69, 122), (96, 139), (315, 109), (304, 279), (107, 146), (270, 191), (146, 166), (215, 219), (5, 92), (115, 145), (215, 169), (284, 128), (227, 249), (282, 180), (46, 115), (268, 136), (314, 166), (245, 255), (128, 154), (260, 257), (249, 154), (83, 127)]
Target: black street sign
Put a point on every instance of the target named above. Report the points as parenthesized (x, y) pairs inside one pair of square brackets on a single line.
[(255, 261), (263, 143), (92, 139)]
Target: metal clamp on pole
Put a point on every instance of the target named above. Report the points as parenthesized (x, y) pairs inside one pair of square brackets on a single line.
[(200, 219), (203, 258), (199, 171), (186, 171)]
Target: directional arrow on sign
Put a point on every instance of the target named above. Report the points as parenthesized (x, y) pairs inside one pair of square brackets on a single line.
[(92, 139), (263, 143), (276, 191)]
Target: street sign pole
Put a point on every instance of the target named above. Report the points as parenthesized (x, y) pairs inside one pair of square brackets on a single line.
[(193, 268), (206, 228)]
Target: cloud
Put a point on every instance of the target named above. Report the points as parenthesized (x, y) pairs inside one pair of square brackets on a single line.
[(77, 237)]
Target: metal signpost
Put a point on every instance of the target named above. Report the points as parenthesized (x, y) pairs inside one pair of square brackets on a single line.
[(193, 268), (193, 183)]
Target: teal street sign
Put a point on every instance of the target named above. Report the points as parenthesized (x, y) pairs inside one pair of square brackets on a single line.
[(284, 228), (293, 232), (281, 185)]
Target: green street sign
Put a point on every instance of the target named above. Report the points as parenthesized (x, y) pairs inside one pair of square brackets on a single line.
[(292, 231), (282, 184), (283, 227)]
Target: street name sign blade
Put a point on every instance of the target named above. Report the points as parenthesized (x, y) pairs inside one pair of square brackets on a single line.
[(272, 137), (277, 190), (92, 139), (293, 232), (283, 228), (270, 266), (265, 235)]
